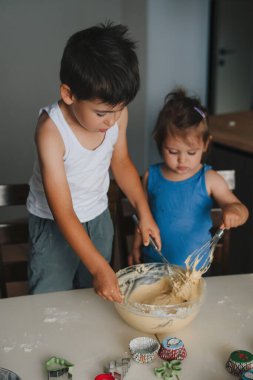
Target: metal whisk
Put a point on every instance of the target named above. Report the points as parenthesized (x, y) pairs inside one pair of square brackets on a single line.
[(205, 252)]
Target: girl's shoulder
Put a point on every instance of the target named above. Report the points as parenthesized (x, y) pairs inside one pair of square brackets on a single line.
[(212, 175), (154, 168), (214, 180), (151, 175)]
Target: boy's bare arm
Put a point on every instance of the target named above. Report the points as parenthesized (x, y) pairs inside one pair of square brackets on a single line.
[(129, 181), (234, 212), (134, 256), (51, 151)]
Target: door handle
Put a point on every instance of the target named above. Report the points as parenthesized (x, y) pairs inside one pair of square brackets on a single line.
[(223, 51)]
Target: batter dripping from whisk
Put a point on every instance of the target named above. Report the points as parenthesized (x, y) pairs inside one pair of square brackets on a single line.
[(183, 286)]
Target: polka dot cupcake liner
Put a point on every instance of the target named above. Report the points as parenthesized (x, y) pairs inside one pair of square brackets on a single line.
[(143, 349)]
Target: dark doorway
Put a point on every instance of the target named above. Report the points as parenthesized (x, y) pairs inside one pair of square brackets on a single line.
[(231, 56)]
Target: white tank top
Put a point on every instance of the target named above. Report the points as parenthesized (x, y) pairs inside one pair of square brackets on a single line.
[(87, 172)]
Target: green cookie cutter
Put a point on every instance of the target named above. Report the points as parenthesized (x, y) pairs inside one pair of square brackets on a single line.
[(57, 367), (169, 370)]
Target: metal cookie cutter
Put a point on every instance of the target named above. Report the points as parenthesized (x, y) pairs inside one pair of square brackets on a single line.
[(6, 374), (57, 367), (118, 368)]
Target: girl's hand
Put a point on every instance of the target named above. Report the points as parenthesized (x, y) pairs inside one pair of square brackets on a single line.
[(232, 216), (134, 257), (106, 285)]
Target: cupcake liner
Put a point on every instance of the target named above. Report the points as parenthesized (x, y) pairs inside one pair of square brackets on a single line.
[(239, 362), (143, 349), (172, 349)]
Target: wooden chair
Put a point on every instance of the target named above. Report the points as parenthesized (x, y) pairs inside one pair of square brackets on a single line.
[(14, 238), (124, 232), (13, 241)]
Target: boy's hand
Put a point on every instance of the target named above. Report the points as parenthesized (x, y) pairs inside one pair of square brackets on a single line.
[(147, 227), (106, 285), (232, 216)]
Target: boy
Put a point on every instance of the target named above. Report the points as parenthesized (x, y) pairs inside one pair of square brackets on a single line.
[(78, 139)]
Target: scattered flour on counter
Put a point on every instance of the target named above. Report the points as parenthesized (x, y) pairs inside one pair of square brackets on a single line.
[(8, 348), (224, 300), (30, 342), (55, 315), (26, 347)]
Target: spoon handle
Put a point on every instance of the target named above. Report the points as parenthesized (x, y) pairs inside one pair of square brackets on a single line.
[(152, 241)]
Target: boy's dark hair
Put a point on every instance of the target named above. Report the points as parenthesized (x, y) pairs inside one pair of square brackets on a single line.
[(100, 63), (179, 115)]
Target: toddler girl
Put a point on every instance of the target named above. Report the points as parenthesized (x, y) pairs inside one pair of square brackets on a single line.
[(181, 189)]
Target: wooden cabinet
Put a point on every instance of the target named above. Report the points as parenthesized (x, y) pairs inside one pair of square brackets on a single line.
[(232, 148)]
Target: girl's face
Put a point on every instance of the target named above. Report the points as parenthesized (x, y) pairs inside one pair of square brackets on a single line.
[(95, 116), (182, 157)]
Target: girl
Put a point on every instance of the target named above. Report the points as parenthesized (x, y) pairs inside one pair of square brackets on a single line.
[(181, 189)]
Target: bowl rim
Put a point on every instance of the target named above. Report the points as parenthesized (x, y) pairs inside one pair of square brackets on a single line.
[(192, 302)]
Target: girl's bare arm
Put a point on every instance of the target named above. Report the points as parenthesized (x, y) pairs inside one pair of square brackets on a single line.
[(234, 212)]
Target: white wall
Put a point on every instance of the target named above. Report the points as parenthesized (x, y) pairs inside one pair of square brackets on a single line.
[(177, 54), (33, 35), (172, 49), (136, 18)]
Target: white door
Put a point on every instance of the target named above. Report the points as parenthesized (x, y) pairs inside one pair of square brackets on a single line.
[(232, 56)]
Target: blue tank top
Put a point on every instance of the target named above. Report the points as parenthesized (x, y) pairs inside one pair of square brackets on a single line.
[(181, 209)]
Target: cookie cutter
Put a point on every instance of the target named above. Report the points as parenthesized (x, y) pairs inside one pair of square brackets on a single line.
[(6, 374), (57, 367), (169, 370), (118, 368)]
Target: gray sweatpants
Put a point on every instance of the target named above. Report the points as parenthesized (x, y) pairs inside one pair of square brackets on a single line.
[(53, 265)]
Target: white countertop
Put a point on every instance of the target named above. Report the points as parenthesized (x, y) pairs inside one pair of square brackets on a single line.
[(87, 331)]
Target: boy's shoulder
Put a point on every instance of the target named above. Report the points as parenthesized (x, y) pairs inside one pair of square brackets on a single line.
[(45, 128), (43, 119)]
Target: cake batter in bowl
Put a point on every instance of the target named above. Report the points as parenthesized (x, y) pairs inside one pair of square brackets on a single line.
[(157, 303)]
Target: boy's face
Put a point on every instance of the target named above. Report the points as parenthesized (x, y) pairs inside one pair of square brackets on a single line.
[(95, 116), (183, 157)]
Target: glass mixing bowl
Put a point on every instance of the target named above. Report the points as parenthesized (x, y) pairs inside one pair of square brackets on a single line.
[(155, 319)]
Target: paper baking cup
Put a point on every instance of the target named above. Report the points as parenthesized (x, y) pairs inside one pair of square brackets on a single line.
[(172, 349), (239, 362), (247, 375), (143, 349)]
